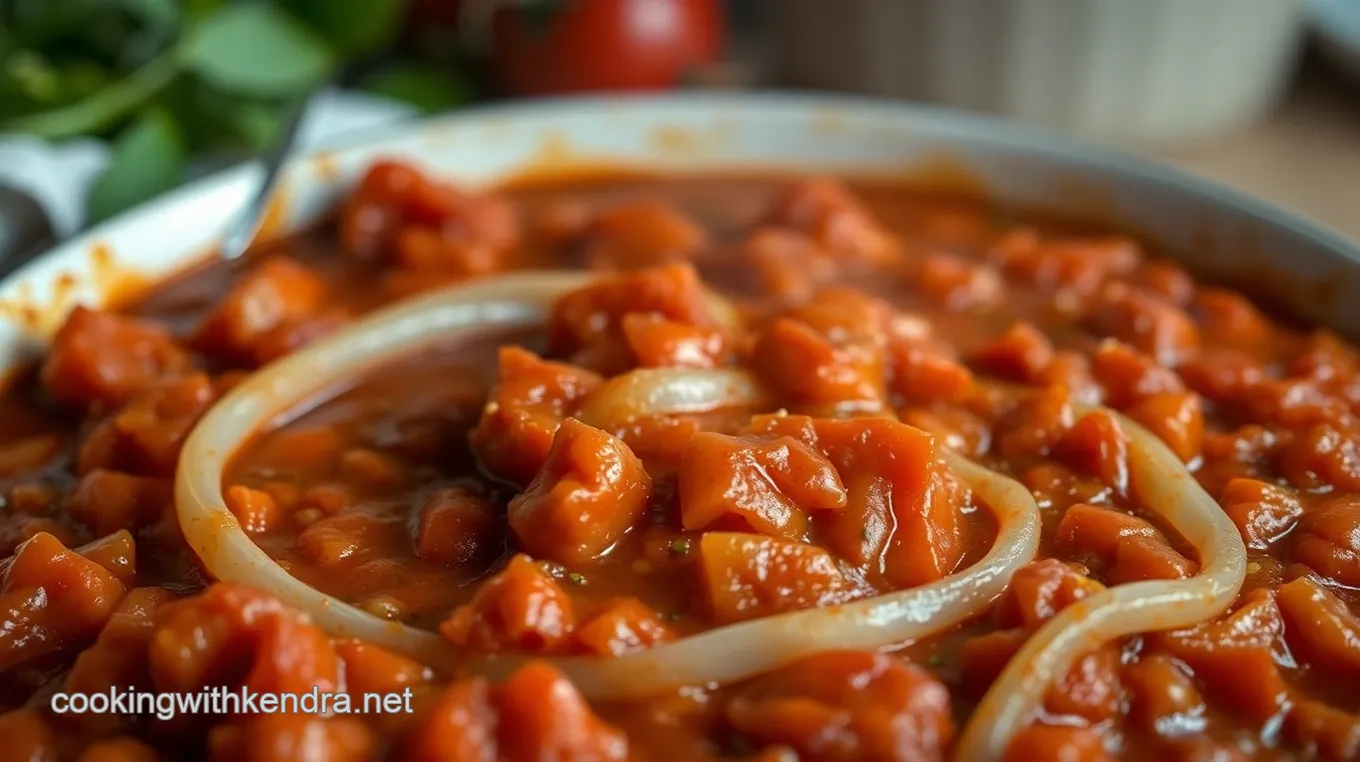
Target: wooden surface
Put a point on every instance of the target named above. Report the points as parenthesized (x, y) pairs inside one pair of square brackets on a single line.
[(1304, 157)]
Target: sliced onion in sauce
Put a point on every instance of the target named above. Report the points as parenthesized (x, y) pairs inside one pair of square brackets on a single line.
[(1166, 487), (722, 655), (670, 391)]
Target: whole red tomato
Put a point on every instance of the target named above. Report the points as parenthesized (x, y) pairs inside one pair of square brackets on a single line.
[(559, 46)]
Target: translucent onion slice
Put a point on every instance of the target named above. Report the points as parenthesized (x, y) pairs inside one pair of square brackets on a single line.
[(670, 391), (1165, 486), (718, 656)]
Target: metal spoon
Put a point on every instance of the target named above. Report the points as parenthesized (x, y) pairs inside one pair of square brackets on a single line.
[(241, 234)]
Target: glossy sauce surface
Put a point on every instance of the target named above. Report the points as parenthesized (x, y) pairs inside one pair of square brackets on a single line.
[(461, 492)]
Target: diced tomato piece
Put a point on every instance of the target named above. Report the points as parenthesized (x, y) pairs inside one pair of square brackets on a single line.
[(958, 283), (273, 294), (146, 435), (371, 669), (1097, 444), (103, 358), (1223, 375), (1323, 455), (1021, 354), (1057, 743), (830, 213), (743, 484), (1162, 693), (456, 525), (341, 542), (622, 626), (901, 520), (120, 656), (848, 705), (586, 323), (54, 599), (1332, 734), (121, 749), (117, 553), (1145, 321), (984, 657), (460, 726), (28, 737), (543, 716), (1166, 279), (233, 635), (254, 509), (1227, 318), (1232, 656), (1035, 425), (922, 375), (747, 576), (642, 234), (106, 501), (657, 342), (789, 264), (1263, 513), (287, 737), (812, 371), (591, 491), (521, 609), (1329, 539), (1177, 418), (1320, 628), (1038, 591), (1129, 376), (1090, 689), (527, 404)]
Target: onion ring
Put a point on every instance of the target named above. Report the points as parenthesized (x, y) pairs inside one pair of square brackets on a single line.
[(1168, 488), (721, 655), (670, 391)]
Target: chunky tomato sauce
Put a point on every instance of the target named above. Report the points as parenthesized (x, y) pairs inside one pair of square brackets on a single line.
[(479, 491)]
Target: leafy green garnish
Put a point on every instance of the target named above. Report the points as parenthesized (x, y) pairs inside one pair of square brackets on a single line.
[(147, 160), (576, 578), (429, 88), (164, 80), (257, 49), (352, 26), (681, 546)]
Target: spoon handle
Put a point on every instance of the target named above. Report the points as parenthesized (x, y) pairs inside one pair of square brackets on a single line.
[(246, 225)]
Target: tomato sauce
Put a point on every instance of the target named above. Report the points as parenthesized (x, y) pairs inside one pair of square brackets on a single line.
[(465, 491)]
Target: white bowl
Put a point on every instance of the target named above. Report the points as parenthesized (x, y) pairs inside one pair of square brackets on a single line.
[(1213, 229), (1135, 70)]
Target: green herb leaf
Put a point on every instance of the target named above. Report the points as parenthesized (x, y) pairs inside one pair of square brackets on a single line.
[(352, 26), (103, 109), (148, 157), (576, 578), (681, 546), (257, 49), (429, 88), (198, 10)]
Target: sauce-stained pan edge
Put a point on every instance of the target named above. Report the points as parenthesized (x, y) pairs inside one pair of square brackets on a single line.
[(1312, 272)]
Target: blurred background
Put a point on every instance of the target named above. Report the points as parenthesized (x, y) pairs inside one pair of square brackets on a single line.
[(107, 103)]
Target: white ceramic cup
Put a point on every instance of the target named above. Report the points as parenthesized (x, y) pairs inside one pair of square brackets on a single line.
[(1123, 70)]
